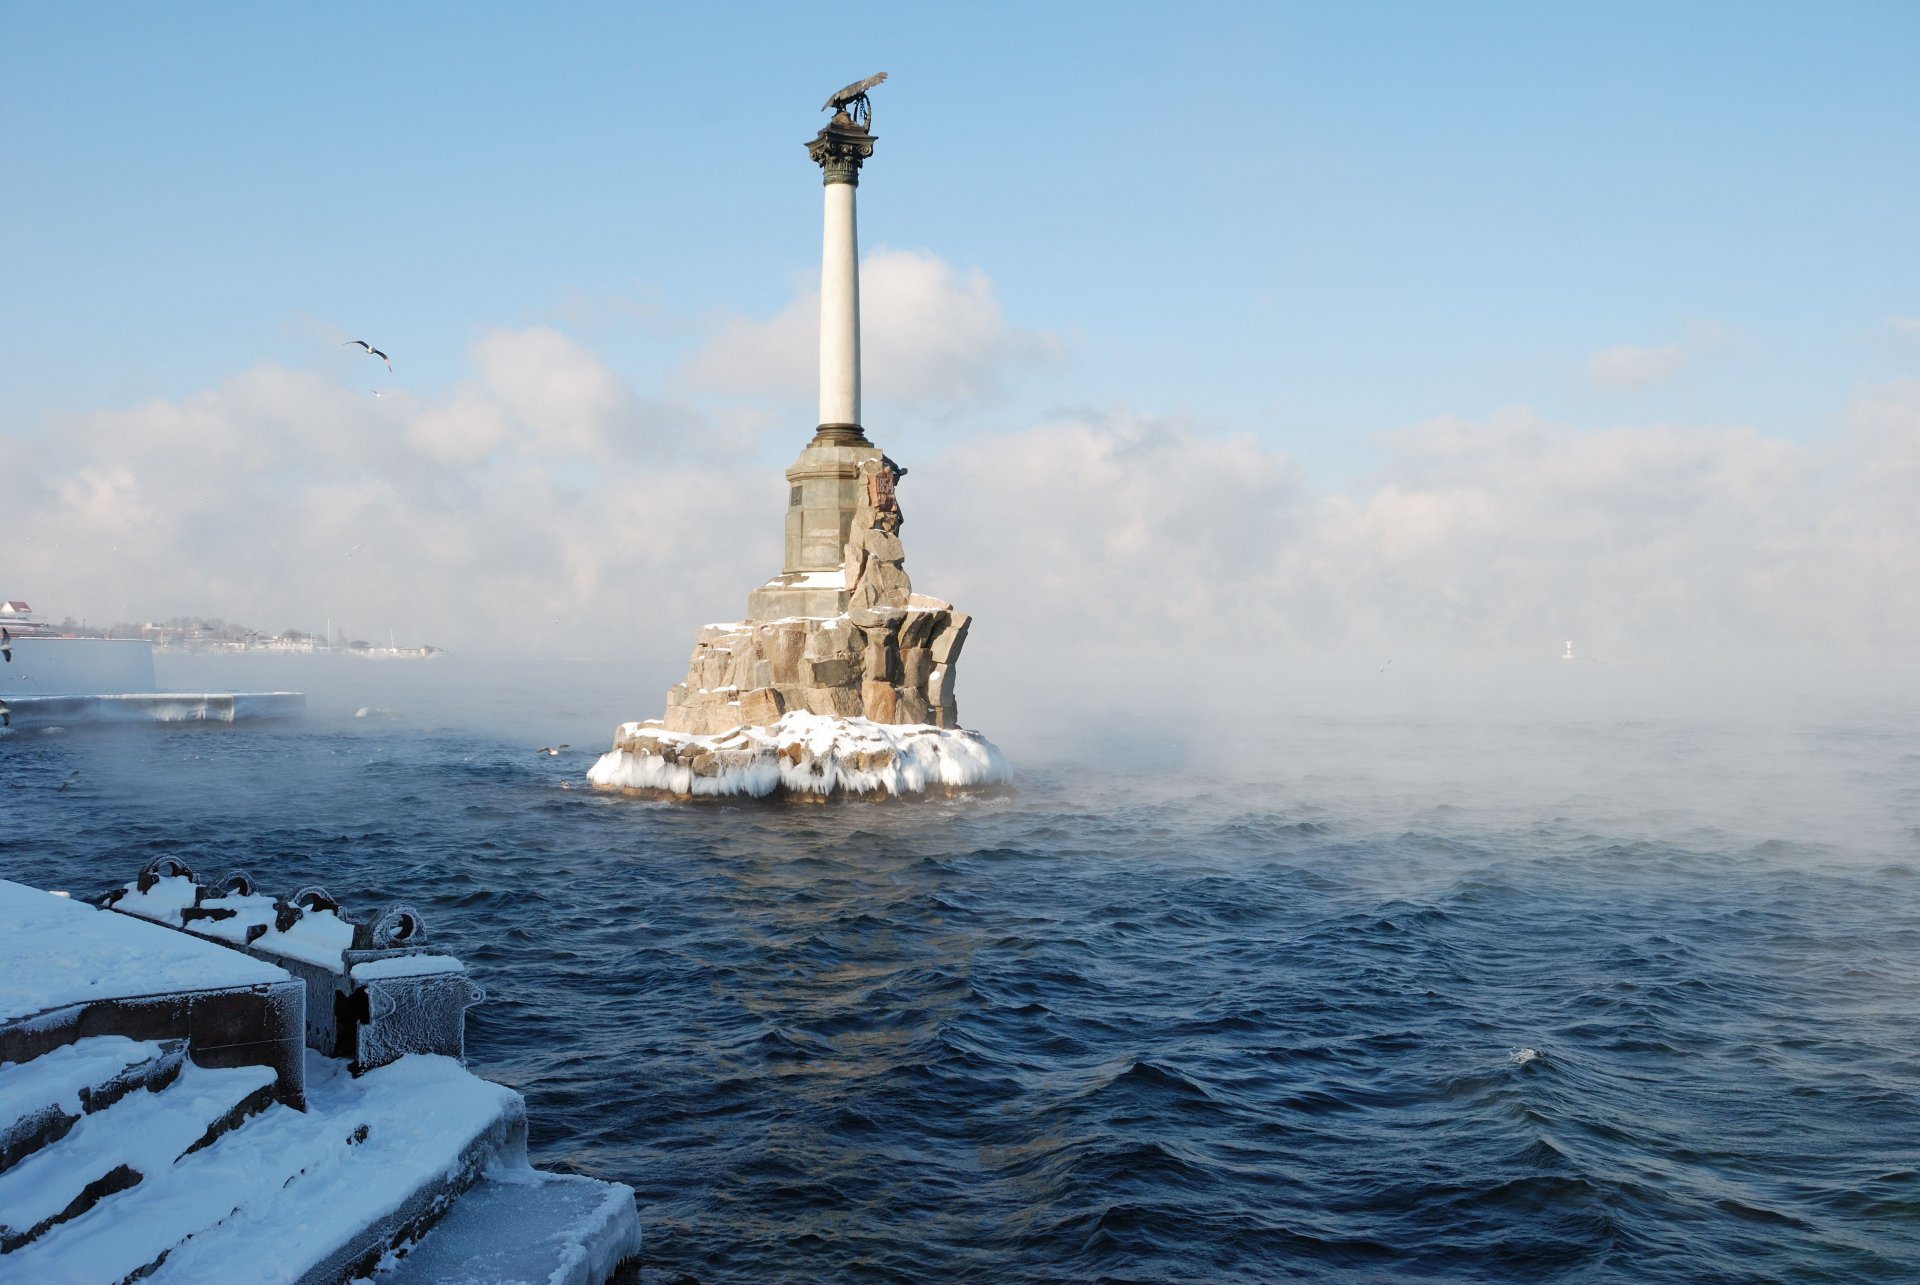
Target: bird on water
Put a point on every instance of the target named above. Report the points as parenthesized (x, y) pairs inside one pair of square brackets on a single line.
[(370, 348)]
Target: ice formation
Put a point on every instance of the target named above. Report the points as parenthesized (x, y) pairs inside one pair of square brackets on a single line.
[(803, 755)]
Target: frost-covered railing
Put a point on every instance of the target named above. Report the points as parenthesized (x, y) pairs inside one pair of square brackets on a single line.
[(375, 991)]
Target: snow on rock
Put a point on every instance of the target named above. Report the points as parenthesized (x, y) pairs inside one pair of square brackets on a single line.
[(55, 952), (806, 755)]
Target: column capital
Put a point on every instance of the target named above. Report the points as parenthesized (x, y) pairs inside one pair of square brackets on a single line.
[(839, 148)]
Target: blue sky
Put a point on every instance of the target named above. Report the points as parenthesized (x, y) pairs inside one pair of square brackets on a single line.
[(1313, 223), (1335, 308)]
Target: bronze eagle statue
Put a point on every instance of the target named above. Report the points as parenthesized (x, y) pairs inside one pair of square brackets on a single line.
[(853, 99)]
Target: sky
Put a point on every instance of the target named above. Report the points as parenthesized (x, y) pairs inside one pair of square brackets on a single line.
[(1360, 329)]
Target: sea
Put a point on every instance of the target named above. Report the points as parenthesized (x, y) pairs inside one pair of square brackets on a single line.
[(1566, 976)]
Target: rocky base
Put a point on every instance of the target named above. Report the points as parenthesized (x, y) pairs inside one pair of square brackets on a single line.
[(809, 756), (885, 664)]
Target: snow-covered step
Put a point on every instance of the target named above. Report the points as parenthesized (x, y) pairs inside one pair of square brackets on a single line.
[(293, 1196), (139, 1137), (524, 1227), (70, 971), (41, 1099)]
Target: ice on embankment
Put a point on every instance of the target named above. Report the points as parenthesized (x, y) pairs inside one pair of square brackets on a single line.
[(808, 755)]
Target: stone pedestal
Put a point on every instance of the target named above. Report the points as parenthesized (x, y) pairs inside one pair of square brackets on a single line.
[(823, 495)]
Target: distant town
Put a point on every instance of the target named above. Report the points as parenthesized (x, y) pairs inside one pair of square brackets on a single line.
[(199, 634)]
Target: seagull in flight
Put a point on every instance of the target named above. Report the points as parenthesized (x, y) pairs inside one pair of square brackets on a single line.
[(6, 714), (552, 751), (370, 348), (6, 644)]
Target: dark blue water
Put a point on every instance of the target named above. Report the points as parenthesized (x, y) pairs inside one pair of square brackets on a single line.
[(1146, 1025)]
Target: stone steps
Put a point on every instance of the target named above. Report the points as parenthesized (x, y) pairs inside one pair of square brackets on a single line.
[(140, 1137), (295, 1196), (153, 1126), (41, 1100)]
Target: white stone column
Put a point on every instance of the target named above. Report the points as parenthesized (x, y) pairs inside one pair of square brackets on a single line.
[(839, 150), (840, 309)]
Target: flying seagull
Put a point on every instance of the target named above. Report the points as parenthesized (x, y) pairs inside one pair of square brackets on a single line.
[(6, 714), (6, 644), (370, 348), (552, 750)]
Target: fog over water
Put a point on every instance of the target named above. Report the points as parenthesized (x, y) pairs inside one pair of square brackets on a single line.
[(1549, 972), (1809, 754)]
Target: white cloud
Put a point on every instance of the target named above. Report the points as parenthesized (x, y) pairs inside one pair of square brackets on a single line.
[(545, 504), (544, 500), (1494, 539), (932, 337), (1905, 325), (1629, 367)]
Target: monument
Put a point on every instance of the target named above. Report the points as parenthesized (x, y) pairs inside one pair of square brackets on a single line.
[(840, 678)]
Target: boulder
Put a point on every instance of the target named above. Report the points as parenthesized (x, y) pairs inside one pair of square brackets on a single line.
[(916, 663), (892, 581), (833, 639), (877, 701), (840, 702), (837, 672), (783, 645), (876, 617), (882, 546), (947, 644), (919, 626), (909, 706), (761, 707), (940, 685), (881, 661)]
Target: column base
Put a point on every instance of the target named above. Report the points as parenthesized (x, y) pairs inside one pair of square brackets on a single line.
[(840, 435)]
